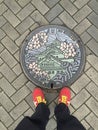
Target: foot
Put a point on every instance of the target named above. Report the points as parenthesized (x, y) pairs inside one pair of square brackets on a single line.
[(38, 96), (64, 96)]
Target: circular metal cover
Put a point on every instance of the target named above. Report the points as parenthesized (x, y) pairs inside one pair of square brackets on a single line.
[(52, 56)]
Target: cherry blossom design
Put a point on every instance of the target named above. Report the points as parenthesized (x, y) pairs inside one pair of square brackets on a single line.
[(34, 67), (68, 50), (37, 41)]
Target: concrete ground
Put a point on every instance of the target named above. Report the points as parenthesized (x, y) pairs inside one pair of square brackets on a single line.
[(17, 19)]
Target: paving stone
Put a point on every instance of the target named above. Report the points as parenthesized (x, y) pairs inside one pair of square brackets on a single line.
[(72, 0), (40, 6), (80, 83), (6, 86), (57, 21), (19, 109), (51, 3), (93, 105), (6, 102), (10, 31), (21, 28), (51, 124), (80, 3), (91, 128), (34, 26), (93, 74), (0, 78), (30, 85), (68, 6), (87, 66), (14, 125), (23, 2), (3, 8), (1, 1), (85, 37), (51, 108), (14, 21), (85, 124), (80, 98), (93, 45), (20, 81), (29, 112), (82, 13), (27, 10), (93, 120), (10, 45), (68, 20), (4, 117), (88, 51), (1, 61), (37, 17), (71, 109), (2, 127), (1, 47), (8, 58), (2, 21), (93, 31), (2, 34), (82, 26), (20, 40), (54, 12), (17, 69), (12, 5), (50, 96), (93, 90), (7, 72), (94, 5), (93, 60), (20, 95), (82, 112), (93, 18), (29, 101), (16, 55)]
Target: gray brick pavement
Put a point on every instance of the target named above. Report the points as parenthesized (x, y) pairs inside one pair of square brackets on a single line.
[(43, 8), (2, 21), (93, 17), (15, 8), (82, 26), (68, 20), (10, 31), (80, 3), (92, 119), (54, 12), (93, 31), (22, 27), (93, 45), (13, 20), (27, 10), (68, 6), (82, 13), (17, 19), (9, 44)]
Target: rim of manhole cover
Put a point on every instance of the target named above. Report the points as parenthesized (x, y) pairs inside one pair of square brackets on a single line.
[(52, 56)]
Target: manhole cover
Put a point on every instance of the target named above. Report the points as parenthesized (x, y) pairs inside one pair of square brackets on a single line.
[(52, 56)]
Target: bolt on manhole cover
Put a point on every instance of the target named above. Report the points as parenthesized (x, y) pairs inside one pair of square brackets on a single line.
[(52, 56)]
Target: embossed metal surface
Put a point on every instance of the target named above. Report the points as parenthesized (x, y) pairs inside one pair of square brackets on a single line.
[(52, 56)]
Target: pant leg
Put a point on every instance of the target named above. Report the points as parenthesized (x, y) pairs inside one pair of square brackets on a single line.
[(65, 121), (37, 121)]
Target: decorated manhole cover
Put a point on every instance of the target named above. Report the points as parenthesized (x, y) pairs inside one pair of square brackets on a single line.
[(52, 56)]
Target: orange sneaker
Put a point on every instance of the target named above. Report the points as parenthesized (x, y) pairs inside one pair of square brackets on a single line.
[(64, 96), (38, 96)]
